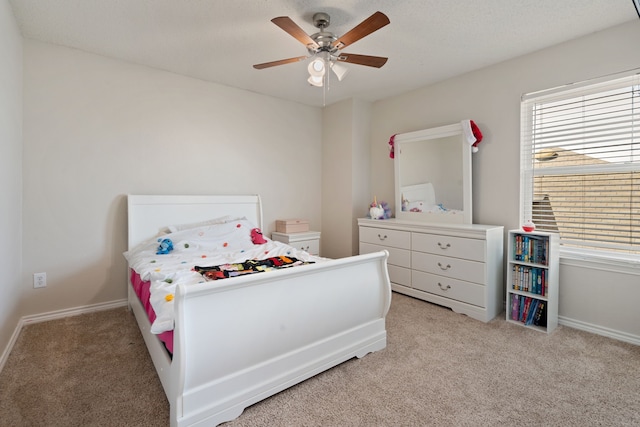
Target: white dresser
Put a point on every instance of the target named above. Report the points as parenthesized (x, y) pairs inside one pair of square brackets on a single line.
[(454, 265)]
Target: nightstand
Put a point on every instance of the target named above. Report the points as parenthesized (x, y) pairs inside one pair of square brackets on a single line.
[(306, 240)]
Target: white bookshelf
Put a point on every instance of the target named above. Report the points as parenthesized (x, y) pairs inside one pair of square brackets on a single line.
[(532, 279)]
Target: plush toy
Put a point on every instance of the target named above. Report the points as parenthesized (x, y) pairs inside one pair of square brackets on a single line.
[(380, 210), (166, 246), (387, 209), (256, 237)]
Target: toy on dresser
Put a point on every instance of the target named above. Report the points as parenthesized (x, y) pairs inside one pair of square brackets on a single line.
[(379, 210)]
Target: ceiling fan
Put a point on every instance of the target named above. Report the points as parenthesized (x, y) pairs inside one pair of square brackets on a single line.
[(326, 47)]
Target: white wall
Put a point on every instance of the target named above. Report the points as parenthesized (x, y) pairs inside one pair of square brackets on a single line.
[(10, 174), (361, 169), (337, 193), (491, 97), (96, 129), (345, 178)]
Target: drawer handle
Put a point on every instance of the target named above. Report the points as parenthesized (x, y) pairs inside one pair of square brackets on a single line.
[(444, 247), (444, 268), (382, 238), (444, 288)]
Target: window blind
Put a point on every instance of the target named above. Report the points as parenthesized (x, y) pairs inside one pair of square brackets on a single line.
[(580, 163)]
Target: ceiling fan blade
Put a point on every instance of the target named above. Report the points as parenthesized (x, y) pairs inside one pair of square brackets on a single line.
[(293, 29), (366, 27), (280, 62), (369, 61)]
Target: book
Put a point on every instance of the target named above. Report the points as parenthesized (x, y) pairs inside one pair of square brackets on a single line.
[(534, 280), (515, 306), (525, 309), (532, 311), (540, 318)]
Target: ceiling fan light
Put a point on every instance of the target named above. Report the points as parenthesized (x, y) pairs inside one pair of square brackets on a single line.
[(315, 81), (339, 70), (316, 68)]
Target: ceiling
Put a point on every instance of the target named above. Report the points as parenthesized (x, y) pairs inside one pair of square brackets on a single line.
[(219, 40)]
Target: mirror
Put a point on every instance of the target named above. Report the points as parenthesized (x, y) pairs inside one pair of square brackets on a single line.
[(433, 175)]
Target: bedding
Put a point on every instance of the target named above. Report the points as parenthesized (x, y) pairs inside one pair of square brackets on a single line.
[(422, 198), (197, 248)]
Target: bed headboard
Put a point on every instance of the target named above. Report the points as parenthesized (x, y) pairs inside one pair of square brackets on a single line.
[(147, 215)]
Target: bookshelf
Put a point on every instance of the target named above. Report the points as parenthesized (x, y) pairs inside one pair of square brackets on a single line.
[(532, 279)]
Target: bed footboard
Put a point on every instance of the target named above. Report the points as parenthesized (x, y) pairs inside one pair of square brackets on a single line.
[(239, 341)]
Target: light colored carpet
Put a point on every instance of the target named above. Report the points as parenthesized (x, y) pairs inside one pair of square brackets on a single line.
[(439, 368)]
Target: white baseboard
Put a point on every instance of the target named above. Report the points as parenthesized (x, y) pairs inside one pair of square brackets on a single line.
[(599, 330), (9, 347), (52, 315), (68, 312)]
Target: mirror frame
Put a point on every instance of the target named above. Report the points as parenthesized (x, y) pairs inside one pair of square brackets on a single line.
[(427, 136)]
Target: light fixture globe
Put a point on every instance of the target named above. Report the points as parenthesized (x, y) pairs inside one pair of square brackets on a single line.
[(316, 68), (339, 70), (315, 81)]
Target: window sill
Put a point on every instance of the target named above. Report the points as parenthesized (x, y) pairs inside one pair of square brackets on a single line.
[(628, 264)]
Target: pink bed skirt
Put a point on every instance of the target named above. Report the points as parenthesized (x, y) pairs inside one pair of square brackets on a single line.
[(141, 289)]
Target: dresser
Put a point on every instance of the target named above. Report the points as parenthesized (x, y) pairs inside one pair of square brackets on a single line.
[(459, 266)]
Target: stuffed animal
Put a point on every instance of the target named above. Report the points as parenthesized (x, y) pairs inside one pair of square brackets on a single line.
[(387, 209), (376, 211), (166, 246), (256, 237)]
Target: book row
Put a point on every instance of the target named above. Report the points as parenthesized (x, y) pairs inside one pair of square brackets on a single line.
[(528, 310), (532, 249), (529, 279)]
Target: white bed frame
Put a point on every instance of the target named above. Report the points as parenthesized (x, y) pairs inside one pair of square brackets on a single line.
[(241, 340)]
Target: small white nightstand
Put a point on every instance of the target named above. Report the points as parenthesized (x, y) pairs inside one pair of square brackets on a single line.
[(306, 240)]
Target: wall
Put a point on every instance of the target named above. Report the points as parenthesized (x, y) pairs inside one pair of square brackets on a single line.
[(10, 175), (361, 169), (491, 97), (96, 129), (345, 178), (336, 192)]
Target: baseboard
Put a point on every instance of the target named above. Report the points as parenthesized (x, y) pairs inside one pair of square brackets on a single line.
[(68, 312), (10, 344), (599, 330), (52, 315)]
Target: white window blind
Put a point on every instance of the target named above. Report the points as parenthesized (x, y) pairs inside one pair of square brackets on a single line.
[(580, 163)]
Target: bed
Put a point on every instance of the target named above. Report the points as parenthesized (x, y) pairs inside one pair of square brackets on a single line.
[(421, 198), (240, 340)]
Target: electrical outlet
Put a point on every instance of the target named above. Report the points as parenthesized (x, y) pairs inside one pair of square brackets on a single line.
[(40, 280)]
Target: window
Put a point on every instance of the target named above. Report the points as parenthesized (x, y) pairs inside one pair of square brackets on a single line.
[(580, 164)]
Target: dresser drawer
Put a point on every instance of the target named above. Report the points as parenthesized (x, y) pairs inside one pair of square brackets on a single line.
[(399, 275), (399, 257), (455, 268), (307, 240), (459, 290), (311, 246), (458, 247), (391, 238)]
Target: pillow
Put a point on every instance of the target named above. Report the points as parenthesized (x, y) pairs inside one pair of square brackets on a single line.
[(181, 227), (229, 236)]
